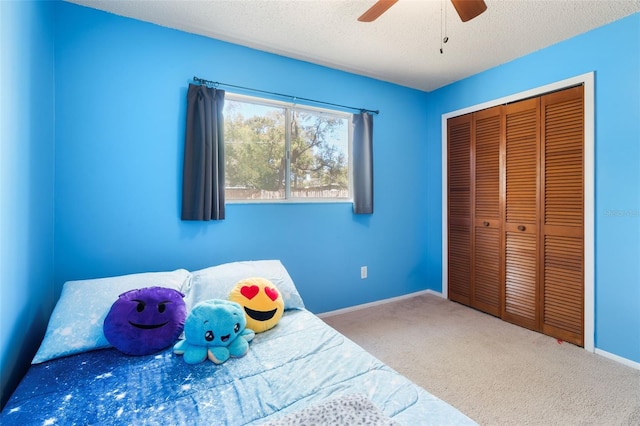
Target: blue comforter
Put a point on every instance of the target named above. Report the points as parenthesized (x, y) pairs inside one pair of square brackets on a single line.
[(299, 363)]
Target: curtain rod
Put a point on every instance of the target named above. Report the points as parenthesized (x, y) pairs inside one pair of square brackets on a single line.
[(294, 98)]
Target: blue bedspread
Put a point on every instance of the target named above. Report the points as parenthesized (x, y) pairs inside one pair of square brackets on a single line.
[(299, 363)]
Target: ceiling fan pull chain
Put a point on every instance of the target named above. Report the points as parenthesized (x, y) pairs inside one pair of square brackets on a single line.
[(443, 24)]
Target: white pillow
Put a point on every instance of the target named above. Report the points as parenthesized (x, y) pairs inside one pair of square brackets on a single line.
[(77, 319), (216, 282)]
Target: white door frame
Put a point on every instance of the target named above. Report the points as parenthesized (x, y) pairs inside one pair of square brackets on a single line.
[(589, 188)]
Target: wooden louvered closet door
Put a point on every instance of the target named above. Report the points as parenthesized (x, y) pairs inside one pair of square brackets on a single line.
[(562, 215), (487, 220), (521, 213), (474, 209), (459, 208), (516, 212)]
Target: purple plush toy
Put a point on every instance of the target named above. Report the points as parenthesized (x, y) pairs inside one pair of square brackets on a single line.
[(146, 320)]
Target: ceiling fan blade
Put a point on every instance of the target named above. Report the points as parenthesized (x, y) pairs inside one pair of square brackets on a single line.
[(469, 9), (376, 10)]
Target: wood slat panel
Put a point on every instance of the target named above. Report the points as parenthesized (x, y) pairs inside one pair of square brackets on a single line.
[(563, 161), (521, 276), (563, 288), (459, 173), (487, 167), (459, 264), (486, 296), (521, 164), (459, 203)]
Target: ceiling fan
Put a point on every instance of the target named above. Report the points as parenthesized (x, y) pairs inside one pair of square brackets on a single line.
[(467, 9)]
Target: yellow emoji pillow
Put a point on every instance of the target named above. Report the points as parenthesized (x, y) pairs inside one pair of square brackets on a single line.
[(261, 301)]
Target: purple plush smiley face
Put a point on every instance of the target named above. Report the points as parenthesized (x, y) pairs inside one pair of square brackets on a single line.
[(146, 320)]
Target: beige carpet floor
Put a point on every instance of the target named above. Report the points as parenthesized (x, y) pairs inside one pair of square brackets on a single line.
[(494, 372)]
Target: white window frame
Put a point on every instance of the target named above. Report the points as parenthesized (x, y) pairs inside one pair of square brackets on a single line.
[(290, 106)]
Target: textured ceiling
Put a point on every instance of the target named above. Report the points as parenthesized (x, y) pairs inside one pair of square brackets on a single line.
[(402, 46)]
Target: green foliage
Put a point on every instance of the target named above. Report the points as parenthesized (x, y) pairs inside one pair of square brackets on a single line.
[(255, 154)]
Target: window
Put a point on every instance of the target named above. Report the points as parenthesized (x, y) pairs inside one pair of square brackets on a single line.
[(281, 151)]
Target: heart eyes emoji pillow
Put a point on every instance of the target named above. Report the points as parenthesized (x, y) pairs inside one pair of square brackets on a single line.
[(261, 301)]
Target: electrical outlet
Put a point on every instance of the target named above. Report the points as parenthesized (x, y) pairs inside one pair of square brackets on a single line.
[(363, 272)]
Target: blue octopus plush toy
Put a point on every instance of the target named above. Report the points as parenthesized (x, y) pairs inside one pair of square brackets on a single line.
[(214, 329)]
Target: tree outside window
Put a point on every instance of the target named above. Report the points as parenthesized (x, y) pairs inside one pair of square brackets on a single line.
[(277, 151)]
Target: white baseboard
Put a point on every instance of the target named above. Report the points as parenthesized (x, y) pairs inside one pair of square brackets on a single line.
[(376, 303), (617, 358)]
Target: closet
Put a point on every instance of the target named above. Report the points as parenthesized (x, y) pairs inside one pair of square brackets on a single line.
[(515, 212)]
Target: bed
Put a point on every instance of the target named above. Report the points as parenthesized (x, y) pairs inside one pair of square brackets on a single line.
[(299, 372)]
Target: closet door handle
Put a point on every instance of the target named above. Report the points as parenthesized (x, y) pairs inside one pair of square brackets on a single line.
[(521, 227), (485, 223)]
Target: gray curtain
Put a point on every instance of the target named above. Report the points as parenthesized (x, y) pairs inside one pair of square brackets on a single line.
[(203, 172), (363, 163)]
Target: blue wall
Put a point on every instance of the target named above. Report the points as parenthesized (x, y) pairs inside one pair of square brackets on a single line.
[(26, 183), (613, 52), (120, 106)]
